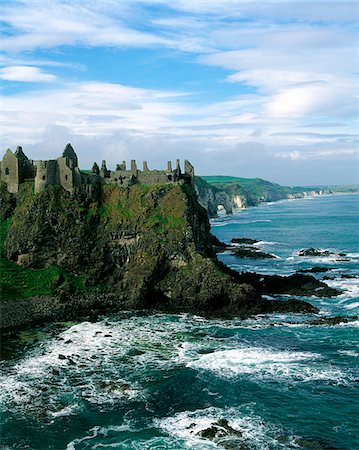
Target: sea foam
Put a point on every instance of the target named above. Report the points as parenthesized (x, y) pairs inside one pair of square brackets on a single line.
[(267, 365)]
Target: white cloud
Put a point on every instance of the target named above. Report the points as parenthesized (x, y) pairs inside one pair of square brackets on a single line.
[(294, 155), (44, 24), (298, 60), (25, 73)]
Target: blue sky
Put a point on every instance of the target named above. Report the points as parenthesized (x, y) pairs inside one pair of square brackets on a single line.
[(253, 89)]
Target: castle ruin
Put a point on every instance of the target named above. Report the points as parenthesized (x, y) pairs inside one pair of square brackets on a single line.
[(16, 168)]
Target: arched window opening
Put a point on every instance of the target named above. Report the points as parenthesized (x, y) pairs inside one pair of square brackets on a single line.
[(43, 177), (7, 171)]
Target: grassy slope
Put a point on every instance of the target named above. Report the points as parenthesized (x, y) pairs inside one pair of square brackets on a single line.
[(256, 184), (22, 282)]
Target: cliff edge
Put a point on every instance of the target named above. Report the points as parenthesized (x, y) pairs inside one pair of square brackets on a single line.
[(142, 247)]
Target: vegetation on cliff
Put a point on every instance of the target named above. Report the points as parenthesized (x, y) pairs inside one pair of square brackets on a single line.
[(234, 192), (136, 247)]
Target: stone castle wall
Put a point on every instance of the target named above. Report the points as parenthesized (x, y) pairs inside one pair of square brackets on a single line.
[(16, 168)]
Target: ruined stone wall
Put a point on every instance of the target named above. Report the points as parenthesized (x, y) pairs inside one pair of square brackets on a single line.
[(16, 168), (69, 176), (46, 174), (10, 171), (154, 177)]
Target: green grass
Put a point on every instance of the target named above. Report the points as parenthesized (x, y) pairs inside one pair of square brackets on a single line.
[(22, 282), (214, 179), (142, 207)]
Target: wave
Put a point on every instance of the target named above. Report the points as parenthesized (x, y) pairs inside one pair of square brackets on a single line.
[(268, 365), (239, 222), (259, 243)]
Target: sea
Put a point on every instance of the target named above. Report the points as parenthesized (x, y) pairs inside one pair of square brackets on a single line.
[(162, 381)]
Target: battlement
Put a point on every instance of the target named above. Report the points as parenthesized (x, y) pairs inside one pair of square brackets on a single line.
[(16, 168)]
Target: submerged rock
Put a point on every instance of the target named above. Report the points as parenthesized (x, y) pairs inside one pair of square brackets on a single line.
[(333, 320), (315, 269), (296, 284), (321, 253), (219, 429), (244, 241), (249, 252)]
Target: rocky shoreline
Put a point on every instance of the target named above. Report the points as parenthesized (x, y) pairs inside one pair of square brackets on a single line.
[(140, 248)]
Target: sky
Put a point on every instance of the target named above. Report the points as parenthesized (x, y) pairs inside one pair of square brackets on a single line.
[(252, 89)]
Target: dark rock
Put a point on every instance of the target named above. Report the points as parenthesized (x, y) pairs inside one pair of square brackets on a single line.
[(219, 429), (69, 341), (317, 252), (315, 269), (246, 252), (62, 356), (244, 241), (332, 320), (292, 305), (209, 433), (296, 284), (217, 244)]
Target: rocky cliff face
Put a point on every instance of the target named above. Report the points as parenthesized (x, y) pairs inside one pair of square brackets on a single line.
[(234, 195), (140, 247)]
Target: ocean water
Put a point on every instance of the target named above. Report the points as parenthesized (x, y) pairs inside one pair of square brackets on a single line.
[(170, 381)]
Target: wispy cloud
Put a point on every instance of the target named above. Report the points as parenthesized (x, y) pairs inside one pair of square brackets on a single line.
[(262, 71), (25, 73)]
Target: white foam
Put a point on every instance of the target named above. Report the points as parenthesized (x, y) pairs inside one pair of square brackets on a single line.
[(94, 432), (259, 243), (350, 286), (250, 431), (267, 364), (349, 353)]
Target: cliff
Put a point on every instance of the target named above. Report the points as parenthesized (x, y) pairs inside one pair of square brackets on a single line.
[(119, 248), (229, 193)]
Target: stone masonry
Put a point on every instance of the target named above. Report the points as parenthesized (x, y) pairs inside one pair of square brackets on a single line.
[(16, 168)]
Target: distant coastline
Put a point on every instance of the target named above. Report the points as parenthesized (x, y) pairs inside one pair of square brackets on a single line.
[(228, 194)]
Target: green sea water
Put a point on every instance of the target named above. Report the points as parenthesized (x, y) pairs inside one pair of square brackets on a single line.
[(155, 381)]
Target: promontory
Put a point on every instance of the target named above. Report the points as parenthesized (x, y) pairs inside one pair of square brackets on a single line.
[(77, 243)]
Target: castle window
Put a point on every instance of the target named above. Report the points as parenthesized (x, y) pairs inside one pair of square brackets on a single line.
[(115, 179), (43, 177), (7, 171), (66, 177)]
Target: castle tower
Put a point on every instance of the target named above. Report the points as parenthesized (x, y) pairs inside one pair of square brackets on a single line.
[(104, 172), (134, 168), (145, 166), (189, 171), (95, 169), (69, 152), (10, 173), (46, 174)]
